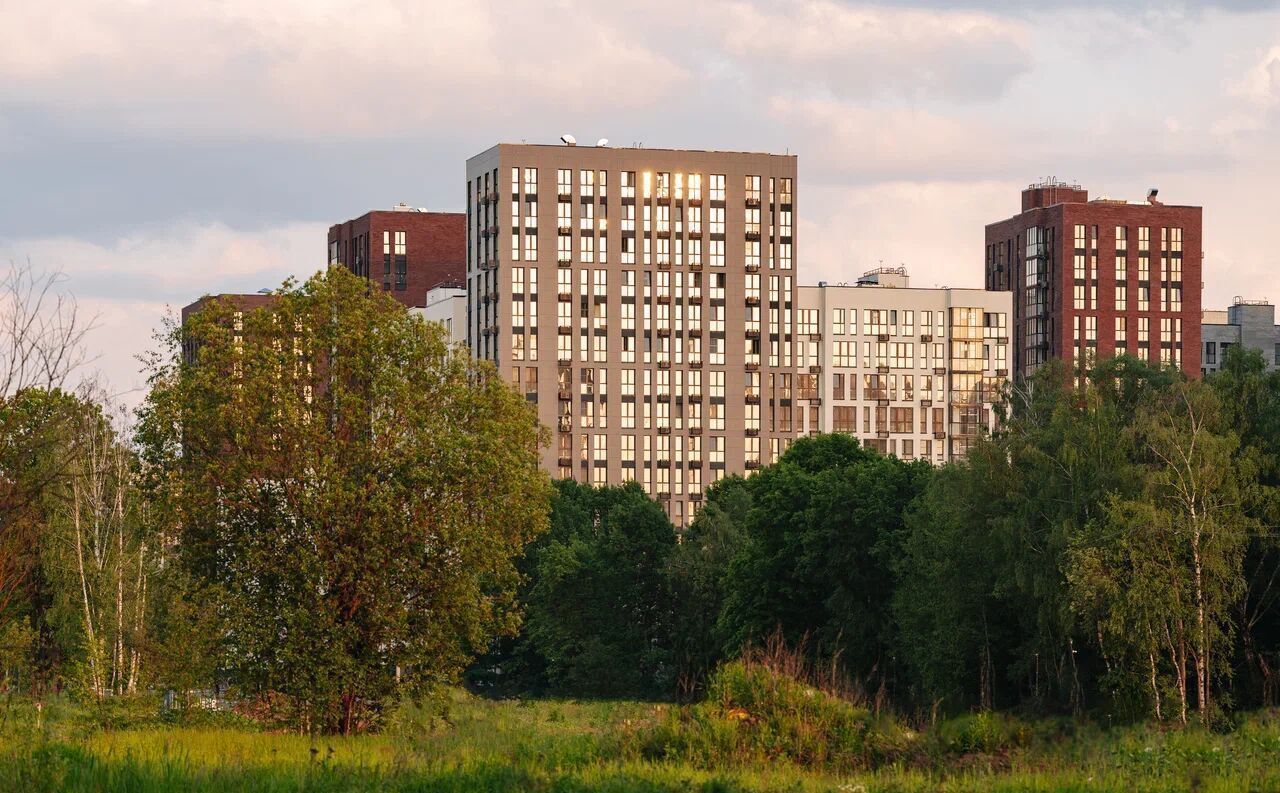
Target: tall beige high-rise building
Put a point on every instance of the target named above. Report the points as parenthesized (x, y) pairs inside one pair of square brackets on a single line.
[(643, 298)]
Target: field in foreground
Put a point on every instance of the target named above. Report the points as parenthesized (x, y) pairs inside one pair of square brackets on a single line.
[(480, 745)]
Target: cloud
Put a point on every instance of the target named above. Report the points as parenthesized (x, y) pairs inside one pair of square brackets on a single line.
[(1260, 84), (130, 283), (876, 52), (321, 68)]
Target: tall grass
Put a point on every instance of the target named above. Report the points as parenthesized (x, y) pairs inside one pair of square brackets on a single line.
[(770, 732)]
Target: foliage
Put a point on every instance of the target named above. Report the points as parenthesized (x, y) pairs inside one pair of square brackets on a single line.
[(821, 536), (698, 576), (598, 607), (350, 493)]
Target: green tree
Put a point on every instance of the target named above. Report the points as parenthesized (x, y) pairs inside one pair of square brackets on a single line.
[(954, 624), (1163, 568), (822, 537), (697, 575), (598, 606), (1250, 397), (351, 493)]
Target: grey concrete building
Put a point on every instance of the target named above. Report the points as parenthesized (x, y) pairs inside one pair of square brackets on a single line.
[(643, 299), (1248, 322), (911, 372)]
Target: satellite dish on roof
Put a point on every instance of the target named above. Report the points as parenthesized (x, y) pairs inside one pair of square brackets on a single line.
[(569, 139), (602, 142)]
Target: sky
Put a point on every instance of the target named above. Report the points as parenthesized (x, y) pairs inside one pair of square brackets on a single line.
[(154, 152)]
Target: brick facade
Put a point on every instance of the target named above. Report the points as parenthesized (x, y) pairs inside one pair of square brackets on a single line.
[(1056, 210), (435, 250)]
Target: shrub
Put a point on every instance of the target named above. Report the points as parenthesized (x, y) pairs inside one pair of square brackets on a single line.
[(984, 733), (755, 712)]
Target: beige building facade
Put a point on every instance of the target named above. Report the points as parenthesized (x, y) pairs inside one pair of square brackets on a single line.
[(644, 300), (911, 372)]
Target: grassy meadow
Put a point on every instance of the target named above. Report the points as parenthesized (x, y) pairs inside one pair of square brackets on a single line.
[(471, 744)]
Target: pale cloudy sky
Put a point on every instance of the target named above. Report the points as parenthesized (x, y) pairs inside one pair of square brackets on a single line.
[(156, 151)]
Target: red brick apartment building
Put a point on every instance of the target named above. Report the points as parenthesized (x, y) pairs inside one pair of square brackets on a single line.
[(407, 250), (1093, 279)]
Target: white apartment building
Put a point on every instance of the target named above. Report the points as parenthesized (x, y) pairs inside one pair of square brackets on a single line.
[(447, 305), (911, 372)]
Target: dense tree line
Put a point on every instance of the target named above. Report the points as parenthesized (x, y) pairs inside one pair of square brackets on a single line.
[(326, 508), (1111, 549)]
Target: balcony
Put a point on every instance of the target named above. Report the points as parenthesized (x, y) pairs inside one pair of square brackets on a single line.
[(664, 264), (664, 364), (564, 229), (695, 363), (695, 496), (695, 431), (815, 369), (752, 465), (940, 436), (752, 267), (695, 396), (753, 333), (565, 423), (926, 337), (664, 331), (752, 367), (752, 398), (882, 337), (695, 266), (752, 301), (564, 259), (564, 461), (752, 432), (694, 333), (664, 299), (925, 403), (753, 236), (565, 295), (664, 430), (564, 330)]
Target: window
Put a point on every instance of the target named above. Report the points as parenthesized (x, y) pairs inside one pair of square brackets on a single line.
[(1211, 352), (716, 187), (844, 419)]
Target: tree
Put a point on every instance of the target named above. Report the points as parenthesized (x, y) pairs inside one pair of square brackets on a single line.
[(697, 574), (42, 336), (822, 536), (598, 607), (351, 493), (99, 553), (955, 628), (1250, 397), (1163, 570)]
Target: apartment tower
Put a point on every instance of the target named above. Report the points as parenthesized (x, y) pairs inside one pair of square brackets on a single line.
[(406, 250), (643, 299), (1099, 278)]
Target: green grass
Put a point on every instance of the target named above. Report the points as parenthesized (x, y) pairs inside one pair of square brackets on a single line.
[(565, 746)]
